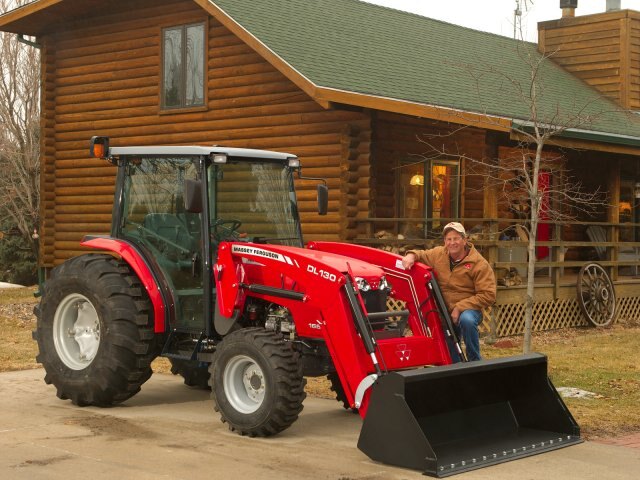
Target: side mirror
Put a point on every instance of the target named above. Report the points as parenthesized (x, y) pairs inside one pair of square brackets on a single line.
[(193, 196), (323, 199)]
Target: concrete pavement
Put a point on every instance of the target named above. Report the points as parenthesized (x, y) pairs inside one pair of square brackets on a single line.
[(169, 431)]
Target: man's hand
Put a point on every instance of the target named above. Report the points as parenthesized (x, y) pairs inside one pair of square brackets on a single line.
[(455, 315), (408, 260)]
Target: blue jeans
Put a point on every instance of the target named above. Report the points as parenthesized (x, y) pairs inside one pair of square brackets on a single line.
[(467, 331)]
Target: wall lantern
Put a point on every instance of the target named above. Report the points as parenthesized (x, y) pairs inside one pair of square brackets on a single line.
[(417, 180)]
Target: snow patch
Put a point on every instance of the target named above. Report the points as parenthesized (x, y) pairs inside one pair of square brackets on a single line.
[(572, 392)]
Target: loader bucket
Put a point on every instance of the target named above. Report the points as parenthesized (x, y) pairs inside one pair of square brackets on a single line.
[(450, 419)]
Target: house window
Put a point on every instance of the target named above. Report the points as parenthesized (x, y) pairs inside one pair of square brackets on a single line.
[(183, 62), (428, 191)]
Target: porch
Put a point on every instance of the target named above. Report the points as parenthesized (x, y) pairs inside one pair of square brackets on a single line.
[(570, 246)]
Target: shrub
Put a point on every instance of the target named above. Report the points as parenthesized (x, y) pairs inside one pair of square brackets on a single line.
[(18, 263)]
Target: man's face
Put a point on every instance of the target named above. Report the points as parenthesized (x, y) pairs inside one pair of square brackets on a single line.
[(455, 243)]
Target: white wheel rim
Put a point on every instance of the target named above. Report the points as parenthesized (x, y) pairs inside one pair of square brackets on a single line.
[(76, 331), (244, 384)]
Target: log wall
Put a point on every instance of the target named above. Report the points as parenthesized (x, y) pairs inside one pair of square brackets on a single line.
[(106, 81), (634, 62)]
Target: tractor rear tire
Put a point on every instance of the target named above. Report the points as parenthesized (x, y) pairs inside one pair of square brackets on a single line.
[(95, 331), (194, 374), (257, 383)]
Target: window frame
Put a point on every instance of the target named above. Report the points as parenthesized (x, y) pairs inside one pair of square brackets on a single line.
[(431, 223), (183, 107), (456, 186)]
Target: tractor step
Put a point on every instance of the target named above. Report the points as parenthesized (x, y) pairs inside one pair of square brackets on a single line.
[(180, 345)]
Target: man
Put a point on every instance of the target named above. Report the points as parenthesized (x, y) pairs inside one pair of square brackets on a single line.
[(466, 280)]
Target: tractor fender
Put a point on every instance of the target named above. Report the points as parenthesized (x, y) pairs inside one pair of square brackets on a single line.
[(130, 255)]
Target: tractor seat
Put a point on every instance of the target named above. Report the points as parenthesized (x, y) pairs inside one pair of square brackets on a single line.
[(169, 226)]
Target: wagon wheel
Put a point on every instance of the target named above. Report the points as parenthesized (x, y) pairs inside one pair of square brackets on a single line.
[(596, 295)]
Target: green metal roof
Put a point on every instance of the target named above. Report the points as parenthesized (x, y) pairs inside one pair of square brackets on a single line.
[(352, 46)]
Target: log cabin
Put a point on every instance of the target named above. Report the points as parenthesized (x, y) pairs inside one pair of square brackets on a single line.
[(392, 108)]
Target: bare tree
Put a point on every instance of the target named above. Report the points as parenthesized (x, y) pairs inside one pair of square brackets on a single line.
[(517, 178), (19, 132)]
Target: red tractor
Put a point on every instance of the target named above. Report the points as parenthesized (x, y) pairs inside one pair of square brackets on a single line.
[(205, 265)]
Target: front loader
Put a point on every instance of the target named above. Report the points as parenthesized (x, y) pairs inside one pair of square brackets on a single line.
[(205, 265)]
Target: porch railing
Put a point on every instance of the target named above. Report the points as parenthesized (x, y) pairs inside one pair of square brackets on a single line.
[(620, 258)]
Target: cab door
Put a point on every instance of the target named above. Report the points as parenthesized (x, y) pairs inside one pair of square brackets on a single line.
[(154, 218)]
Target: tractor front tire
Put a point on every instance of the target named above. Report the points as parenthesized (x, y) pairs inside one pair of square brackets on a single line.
[(336, 387), (257, 383), (95, 331)]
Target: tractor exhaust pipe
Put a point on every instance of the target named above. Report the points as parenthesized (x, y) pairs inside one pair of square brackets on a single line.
[(460, 417)]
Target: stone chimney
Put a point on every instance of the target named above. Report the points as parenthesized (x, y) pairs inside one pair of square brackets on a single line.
[(602, 49)]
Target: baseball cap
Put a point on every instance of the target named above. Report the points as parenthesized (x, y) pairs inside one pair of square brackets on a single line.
[(454, 226)]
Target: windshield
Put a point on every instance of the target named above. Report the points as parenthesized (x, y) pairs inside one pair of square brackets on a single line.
[(254, 202)]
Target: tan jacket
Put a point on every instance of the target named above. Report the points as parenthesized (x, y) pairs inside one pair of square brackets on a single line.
[(470, 286)]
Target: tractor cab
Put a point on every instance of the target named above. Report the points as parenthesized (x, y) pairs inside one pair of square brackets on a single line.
[(177, 204)]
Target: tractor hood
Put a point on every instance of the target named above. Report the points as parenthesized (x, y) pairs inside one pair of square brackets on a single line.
[(344, 264), (302, 257)]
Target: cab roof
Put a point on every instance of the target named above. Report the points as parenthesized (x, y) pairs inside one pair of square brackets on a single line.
[(200, 150)]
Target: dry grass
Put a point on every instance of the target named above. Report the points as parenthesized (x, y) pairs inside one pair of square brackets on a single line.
[(603, 361), (17, 349)]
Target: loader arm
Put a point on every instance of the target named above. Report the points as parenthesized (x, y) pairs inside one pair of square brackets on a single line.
[(412, 287)]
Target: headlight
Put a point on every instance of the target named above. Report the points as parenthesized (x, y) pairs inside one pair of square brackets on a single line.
[(384, 285), (362, 284)]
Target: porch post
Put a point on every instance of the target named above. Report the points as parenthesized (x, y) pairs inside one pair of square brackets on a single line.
[(557, 251), (490, 211), (613, 214), (490, 197)]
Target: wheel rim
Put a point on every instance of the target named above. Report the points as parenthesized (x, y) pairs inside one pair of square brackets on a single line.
[(244, 384), (76, 331), (596, 295)]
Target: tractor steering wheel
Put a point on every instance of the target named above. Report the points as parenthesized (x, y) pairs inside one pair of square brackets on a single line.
[(225, 229)]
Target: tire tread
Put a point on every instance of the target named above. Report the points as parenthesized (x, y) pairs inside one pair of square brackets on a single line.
[(126, 332)]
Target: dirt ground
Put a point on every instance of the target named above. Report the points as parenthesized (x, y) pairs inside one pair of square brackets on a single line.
[(170, 431)]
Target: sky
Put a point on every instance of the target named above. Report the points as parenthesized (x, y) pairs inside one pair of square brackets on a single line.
[(497, 16)]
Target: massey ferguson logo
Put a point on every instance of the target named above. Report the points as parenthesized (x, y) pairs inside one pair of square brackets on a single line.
[(403, 353), (262, 253)]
